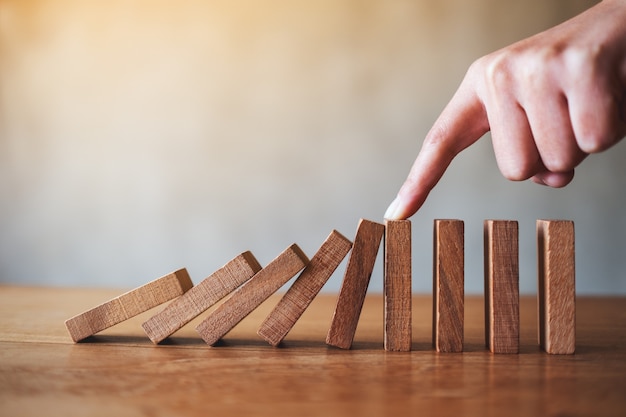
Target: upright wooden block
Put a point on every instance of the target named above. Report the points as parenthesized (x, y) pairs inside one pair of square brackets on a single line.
[(295, 301), (355, 282), (250, 295), (128, 305), (201, 297), (397, 286), (501, 286), (448, 282), (557, 287)]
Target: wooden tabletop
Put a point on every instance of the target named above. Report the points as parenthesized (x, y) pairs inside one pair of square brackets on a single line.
[(121, 373)]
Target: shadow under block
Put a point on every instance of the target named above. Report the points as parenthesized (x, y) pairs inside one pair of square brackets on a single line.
[(128, 305), (300, 295), (397, 286), (556, 286), (355, 283), (201, 297), (501, 286), (448, 285), (251, 294)]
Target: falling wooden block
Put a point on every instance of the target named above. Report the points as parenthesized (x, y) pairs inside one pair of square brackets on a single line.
[(501, 286), (128, 305), (397, 286), (355, 282), (295, 301), (201, 297), (557, 287), (448, 281), (250, 295)]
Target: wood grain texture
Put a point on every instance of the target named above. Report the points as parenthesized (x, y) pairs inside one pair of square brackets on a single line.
[(250, 295), (397, 286), (448, 285), (305, 288), (556, 293), (201, 297), (355, 283), (121, 373), (501, 286), (128, 305)]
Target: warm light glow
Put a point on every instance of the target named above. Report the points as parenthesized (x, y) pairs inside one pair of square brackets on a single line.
[(140, 137)]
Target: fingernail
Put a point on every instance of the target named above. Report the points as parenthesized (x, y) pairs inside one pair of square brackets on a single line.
[(393, 211)]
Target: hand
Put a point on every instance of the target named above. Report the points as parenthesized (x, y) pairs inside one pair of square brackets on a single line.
[(549, 101)]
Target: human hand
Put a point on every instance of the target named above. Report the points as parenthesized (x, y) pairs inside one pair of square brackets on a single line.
[(549, 101)]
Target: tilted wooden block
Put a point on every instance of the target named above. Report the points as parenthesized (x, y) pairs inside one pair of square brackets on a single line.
[(448, 282), (295, 301), (201, 297), (128, 305), (556, 286), (501, 286), (250, 295), (355, 282), (397, 286)]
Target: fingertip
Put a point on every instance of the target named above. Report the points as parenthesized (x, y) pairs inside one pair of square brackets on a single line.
[(554, 179), (392, 212), (404, 205), (397, 210)]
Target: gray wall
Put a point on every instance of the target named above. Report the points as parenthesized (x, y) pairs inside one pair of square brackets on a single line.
[(140, 137)]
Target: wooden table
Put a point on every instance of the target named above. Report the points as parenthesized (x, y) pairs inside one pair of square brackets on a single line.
[(121, 373)]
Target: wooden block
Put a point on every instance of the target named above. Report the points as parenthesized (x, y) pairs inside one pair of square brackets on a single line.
[(448, 282), (250, 295), (397, 286), (557, 287), (128, 305), (295, 301), (501, 286), (355, 282), (201, 297)]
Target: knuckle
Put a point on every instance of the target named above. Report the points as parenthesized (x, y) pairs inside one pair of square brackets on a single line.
[(559, 163), (519, 171), (601, 120), (582, 62), (595, 142), (498, 70), (598, 132), (538, 66), (492, 72), (438, 140)]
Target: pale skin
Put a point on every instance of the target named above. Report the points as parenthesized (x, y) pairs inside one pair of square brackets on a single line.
[(549, 101)]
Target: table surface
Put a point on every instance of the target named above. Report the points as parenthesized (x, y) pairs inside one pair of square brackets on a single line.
[(121, 373)]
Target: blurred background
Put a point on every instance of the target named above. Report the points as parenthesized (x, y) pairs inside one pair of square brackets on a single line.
[(138, 137)]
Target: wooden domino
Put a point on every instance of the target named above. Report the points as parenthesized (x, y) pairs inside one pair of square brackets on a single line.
[(397, 286), (448, 282), (355, 283), (556, 286), (128, 305), (300, 295), (501, 286), (250, 295), (201, 297)]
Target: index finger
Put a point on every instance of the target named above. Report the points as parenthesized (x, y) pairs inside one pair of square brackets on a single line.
[(462, 122)]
